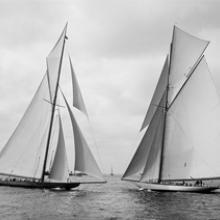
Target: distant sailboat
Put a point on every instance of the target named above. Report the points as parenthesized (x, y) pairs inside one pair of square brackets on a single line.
[(35, 156), (181, 145), (111, 173)]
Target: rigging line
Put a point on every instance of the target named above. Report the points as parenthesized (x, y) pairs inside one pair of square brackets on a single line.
[(159, 105), (53, 104), (213, 81)]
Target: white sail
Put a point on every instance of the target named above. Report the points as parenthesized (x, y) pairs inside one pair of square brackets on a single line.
[(23, 154), (152, 167), (53, 144), (158, 93), (54, 62), (146, 161), (59, 169), (84, 160), (77, 95), (186, 50), (193, 130)]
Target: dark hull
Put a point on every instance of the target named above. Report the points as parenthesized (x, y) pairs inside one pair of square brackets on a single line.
[(38, 185)]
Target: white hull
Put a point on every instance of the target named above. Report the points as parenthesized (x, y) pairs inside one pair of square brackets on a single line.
[(176, 188)]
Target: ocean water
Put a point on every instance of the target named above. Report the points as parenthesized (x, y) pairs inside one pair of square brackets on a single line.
[(114, 200)]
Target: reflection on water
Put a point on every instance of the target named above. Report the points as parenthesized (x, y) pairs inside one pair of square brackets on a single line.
[(114, 200)]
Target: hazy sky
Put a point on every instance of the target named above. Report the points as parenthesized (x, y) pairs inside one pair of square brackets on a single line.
[(117, 47)]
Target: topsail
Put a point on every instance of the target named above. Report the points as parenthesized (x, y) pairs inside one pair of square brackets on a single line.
[(54, 63), (186, 50)]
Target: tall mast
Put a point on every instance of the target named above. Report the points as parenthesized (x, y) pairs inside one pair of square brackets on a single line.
[(165, 112), (53, 108)]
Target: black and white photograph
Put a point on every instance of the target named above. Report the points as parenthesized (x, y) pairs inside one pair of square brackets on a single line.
[(110, 109)]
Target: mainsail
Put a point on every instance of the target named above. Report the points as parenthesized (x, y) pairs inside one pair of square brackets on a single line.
[(182, 141), (193, 129), (23, 154)]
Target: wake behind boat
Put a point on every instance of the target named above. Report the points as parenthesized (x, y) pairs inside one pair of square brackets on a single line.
[(37, 155), (180, 149)]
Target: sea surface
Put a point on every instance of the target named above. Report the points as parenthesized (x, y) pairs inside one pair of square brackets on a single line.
[(114, 200)]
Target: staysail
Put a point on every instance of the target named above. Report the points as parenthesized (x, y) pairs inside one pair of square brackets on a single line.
[(84, 160), (59, 169), (151, 172), (146, 161), (158, 94)]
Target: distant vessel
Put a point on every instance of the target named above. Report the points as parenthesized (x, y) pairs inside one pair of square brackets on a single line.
[(181, 145), (111, 173), (35, 156)]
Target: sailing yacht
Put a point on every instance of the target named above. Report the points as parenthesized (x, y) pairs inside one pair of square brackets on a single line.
[(180, 147), (37, 154)]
